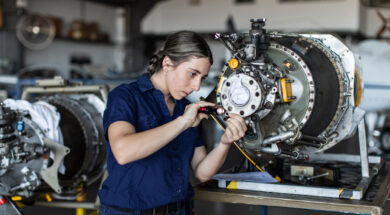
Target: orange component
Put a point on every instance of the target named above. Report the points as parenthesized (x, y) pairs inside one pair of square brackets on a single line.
[(286, 90), (48, 197), (234, 63), (358, 87)]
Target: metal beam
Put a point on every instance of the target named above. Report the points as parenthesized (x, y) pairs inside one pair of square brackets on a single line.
[(135, 57)]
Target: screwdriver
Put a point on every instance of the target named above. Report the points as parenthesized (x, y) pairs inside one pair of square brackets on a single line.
[(216, 110)]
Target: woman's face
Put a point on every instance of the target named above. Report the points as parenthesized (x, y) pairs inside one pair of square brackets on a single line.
[(187, 76)]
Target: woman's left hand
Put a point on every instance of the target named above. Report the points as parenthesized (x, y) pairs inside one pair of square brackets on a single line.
[(235, 129)]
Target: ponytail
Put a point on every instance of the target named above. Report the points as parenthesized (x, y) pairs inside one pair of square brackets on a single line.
[(155, 63)]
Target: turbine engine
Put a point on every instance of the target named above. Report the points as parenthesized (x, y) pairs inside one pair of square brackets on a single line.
[(296, 92)]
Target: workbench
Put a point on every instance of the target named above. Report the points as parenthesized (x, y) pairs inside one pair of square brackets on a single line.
[(372, 203)]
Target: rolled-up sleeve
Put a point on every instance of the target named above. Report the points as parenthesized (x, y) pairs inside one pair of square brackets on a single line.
[(121, 106)]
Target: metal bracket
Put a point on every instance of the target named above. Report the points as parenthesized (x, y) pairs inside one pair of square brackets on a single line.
[(363, 149), (50, 175)]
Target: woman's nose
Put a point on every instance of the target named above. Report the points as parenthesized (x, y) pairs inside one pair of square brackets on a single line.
[(196, 84)]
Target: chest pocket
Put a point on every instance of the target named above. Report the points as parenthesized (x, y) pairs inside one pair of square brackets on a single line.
[(147, 122)]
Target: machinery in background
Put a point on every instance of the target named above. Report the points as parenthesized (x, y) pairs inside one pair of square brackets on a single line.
[(299, 95), (28, 168)]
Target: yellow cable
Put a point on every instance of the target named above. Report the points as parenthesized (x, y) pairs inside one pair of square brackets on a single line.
[(238, 147)]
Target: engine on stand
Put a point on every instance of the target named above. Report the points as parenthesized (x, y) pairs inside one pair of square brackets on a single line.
[(299, 96), (31, 162)]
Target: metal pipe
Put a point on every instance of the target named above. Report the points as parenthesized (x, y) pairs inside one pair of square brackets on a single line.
[(308, 137), (302, 142), (279, 138), (274, 149)]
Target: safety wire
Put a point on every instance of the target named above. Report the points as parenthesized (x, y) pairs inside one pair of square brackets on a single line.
[(238, 147)]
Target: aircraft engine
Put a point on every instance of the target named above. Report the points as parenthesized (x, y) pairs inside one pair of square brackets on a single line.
[(31, 162), (296, 92), (23, 153)]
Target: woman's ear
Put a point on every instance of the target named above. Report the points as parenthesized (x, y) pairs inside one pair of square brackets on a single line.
[(167, 62)]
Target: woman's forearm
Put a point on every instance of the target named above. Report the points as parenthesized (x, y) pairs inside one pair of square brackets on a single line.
[(135, 146), (212, 162)]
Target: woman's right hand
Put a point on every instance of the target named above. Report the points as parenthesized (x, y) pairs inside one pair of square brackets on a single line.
[(191, 115), (235, 129)]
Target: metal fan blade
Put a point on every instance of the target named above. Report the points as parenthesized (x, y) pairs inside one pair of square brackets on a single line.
[(35, 32)]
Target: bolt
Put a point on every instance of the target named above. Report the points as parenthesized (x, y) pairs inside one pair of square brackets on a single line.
[(268, 105)]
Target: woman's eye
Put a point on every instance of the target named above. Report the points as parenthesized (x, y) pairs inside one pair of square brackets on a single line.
[(192, 74)]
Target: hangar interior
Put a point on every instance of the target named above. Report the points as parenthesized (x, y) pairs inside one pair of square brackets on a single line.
[(313, 90)]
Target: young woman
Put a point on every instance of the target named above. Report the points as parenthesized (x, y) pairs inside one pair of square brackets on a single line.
[(152, 135)]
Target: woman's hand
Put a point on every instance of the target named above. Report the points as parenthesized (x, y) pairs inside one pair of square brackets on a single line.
[(235, 129), (191, 115)]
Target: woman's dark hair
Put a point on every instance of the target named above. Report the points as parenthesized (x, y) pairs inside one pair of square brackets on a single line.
[(180, 47)]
